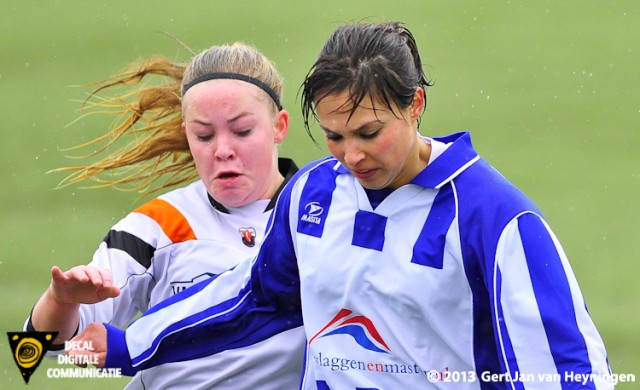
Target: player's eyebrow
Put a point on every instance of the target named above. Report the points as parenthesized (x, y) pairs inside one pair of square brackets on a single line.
[(205, 122), (364, 126), (201, 122), (240, 115)]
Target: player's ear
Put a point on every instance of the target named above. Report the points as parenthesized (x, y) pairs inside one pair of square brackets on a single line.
[(281, 126), (417, 104)]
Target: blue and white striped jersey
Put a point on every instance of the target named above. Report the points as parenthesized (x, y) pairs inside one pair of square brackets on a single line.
[(455, 277)]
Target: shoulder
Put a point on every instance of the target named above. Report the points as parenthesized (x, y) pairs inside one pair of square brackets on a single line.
[(318, 176), (326, 164), (487, 204), (173, 210), (481, 185), (318, 171), (180, 197), (178, 200)]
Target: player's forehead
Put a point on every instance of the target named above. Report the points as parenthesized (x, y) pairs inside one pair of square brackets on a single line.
[(338, 112), (221, 88), (345, 102), (228, 98)]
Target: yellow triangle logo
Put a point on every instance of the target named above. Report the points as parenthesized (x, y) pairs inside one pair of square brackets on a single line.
[(28, 349)]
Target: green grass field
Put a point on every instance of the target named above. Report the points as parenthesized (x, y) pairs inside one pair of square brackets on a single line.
[(549, 90)]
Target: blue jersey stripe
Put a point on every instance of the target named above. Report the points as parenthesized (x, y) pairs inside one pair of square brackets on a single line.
[(485, 352), (257, 325), (315, 201), (429, 248), (459, 154), (322, 385), (183, 294), (553, 296), (217, 311), (368, 230)]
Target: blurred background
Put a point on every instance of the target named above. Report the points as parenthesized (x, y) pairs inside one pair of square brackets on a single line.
[(549, 91)]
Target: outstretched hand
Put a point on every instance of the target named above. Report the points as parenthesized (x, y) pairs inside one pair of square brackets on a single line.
[(82, 284), (90, 345)]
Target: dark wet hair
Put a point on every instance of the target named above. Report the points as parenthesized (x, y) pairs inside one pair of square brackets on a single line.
[(379, 60)]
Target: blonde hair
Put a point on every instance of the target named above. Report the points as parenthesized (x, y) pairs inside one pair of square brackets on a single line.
[(158, 156)]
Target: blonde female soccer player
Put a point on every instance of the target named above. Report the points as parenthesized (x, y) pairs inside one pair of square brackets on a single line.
[(223, 114)]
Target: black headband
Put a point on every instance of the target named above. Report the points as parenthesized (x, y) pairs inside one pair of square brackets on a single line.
[(234, 76)]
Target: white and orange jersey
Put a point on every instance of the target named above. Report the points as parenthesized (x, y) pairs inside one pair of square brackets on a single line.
[(173, 242), (165, 246)]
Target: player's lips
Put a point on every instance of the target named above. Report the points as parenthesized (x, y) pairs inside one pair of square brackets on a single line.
[(227, 176), (364, 174)]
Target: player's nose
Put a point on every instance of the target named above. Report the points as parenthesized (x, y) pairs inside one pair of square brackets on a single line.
[(224, 148), (353, 153)]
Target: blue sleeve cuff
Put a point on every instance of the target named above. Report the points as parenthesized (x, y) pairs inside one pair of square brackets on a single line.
[(117, 351)]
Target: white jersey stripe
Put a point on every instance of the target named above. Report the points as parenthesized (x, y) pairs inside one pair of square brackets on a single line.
[(519, 306)]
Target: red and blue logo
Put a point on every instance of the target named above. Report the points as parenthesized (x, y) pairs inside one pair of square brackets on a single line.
[(357, 326)]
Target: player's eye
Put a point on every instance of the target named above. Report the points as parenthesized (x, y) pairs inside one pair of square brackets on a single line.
[(370, 135), (204, 138), (331, 136)]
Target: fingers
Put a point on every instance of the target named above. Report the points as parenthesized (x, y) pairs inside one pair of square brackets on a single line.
[(98, 277), (82, 284), (104, 280), (56, 272), (108, 292), (105, 277), (95, 276)]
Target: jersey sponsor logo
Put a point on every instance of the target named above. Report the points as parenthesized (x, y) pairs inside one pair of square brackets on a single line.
[(180, 285), (343, 358), (248, 236), (357, 326), (313, 213)]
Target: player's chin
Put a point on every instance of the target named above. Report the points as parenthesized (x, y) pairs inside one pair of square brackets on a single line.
[(236, 196), (374, 181)]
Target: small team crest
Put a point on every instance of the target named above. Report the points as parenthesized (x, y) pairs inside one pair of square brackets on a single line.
[(248, 236), (28, 350)]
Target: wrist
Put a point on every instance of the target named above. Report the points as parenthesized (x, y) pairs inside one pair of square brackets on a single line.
[(49, 314), (53, 299)]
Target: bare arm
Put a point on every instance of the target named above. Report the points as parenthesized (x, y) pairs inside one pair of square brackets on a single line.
[(58, 308)]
